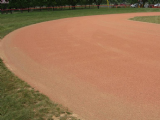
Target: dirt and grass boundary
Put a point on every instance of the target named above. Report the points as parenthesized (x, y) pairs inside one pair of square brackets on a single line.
[(150, 19), (17, 99)]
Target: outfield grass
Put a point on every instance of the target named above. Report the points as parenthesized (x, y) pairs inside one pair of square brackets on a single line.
[(150, 19), (10, 22), (17, 99)]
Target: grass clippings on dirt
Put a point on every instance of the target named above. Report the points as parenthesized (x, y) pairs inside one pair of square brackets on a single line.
[(150, 19)]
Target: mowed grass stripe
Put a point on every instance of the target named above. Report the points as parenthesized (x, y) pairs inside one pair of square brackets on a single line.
[(17, 99)]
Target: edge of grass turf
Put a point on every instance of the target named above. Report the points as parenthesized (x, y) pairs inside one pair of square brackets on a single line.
[(147, 19), (20, 101), (100, 11)]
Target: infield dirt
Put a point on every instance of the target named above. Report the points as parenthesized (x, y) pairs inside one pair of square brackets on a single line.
[(102, 67)]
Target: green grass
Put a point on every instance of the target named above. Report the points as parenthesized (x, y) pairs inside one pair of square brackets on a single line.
[(10, 22), (150, 19), (18, 101)]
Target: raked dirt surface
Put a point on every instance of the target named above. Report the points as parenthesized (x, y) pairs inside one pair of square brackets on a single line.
[(103, 67)]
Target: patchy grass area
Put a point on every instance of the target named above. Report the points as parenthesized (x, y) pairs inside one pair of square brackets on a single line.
[(150, 19), (18, 100)]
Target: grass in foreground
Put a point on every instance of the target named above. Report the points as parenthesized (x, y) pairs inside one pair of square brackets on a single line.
[(18, 101), (150, 19)]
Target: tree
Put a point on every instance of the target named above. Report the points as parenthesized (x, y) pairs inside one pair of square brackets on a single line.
[(73, 3), (144, 1), (132, 1), (98, 2), (83, 2), (61, 3), (51, 3), (21, 4), (34, 3), (90, 2), (4, 6), (28, 4), (41, 3)]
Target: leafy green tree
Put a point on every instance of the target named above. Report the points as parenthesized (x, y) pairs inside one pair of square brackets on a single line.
[(144, 1), (21, 4), (132, 1), (153, 1), (41, 3), (98, 2), (34, 3), (90, 2), (51, 3), (83, 2), (61, 3), (13, 3), (28, 4), (73, 3)]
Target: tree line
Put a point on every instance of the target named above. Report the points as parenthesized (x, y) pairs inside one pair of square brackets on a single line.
[(20, 4)]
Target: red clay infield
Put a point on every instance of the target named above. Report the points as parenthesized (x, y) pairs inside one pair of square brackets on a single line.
[(102, 67)]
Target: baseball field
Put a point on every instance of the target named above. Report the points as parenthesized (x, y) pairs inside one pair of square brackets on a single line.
[(102, 64)]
